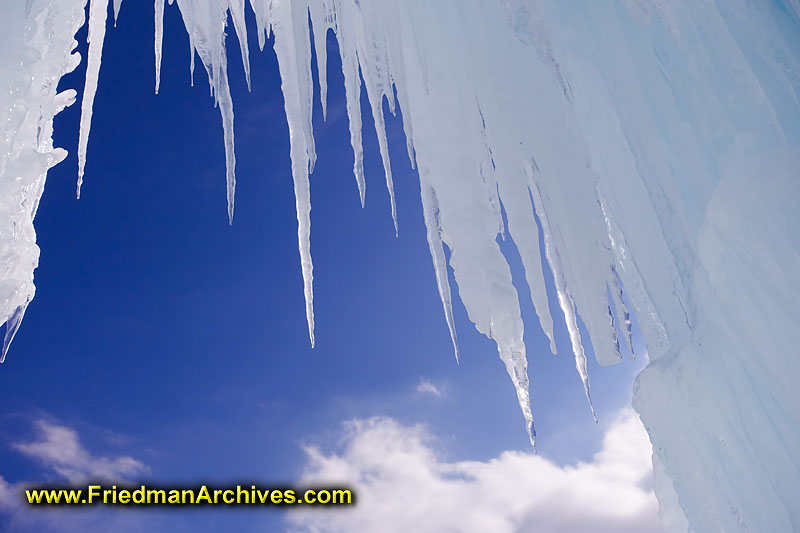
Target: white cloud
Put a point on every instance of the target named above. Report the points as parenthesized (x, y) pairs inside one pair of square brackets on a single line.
[(425, 387), (59, 449), (402, 485)]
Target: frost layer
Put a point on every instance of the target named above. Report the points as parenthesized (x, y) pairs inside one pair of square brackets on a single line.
[(656, 142)]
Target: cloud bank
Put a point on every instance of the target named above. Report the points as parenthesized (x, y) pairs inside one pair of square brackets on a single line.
[(403, 485)]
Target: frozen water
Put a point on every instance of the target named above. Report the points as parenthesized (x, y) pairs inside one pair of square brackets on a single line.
[(37, 39), (655, 141)]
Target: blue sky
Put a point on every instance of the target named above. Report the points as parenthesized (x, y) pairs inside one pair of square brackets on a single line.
[(162, 334)]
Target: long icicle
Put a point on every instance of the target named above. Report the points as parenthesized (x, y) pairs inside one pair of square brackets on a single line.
[(159, 38), (98, 11), (565, 301), (283, 29)]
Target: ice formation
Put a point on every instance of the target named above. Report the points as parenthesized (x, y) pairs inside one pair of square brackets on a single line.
[(37, 40), (656, 142)]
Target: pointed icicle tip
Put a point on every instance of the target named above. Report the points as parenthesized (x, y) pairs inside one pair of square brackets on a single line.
[(158, 39), (98, 11), (117, 5), (12, 325)]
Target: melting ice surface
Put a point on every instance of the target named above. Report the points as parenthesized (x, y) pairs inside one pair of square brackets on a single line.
[(656, 141)]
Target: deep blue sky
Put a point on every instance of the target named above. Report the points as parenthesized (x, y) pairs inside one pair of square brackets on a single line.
[(160, 332)]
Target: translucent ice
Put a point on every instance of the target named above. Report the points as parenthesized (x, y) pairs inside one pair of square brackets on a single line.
[(656, 143)]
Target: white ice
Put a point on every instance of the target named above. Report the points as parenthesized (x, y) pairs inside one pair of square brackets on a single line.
[(655, 141)]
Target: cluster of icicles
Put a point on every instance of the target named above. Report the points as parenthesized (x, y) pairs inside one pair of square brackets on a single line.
[(464, 192)]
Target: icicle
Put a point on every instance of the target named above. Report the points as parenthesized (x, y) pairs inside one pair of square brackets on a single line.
[(321, 17), (564, 299), (188, 12), (352, 91), (117, 5), (226, 110), (192, 50), (523, 230), (402, 99), (380, 129), (159, 37), (568, 306), (205, 23), (302, 44), (294, 101), (374, 62), (98, 11), (517, 368), (430, 210), (397, 70), (12, 325), (239, 26), (261, 10)]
